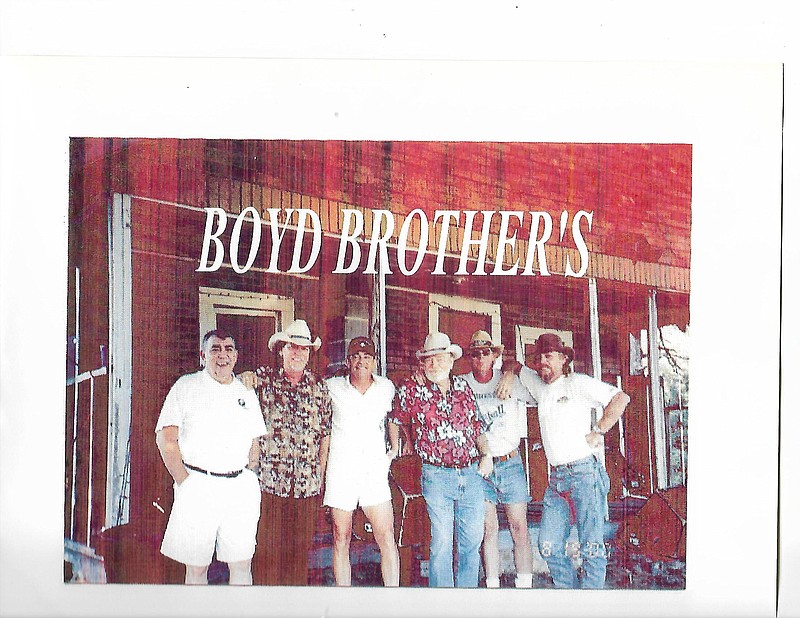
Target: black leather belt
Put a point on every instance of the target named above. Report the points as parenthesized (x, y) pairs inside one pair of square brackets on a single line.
[(227, 475)]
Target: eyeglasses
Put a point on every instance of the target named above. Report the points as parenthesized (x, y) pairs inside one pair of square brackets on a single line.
[(479, 353)]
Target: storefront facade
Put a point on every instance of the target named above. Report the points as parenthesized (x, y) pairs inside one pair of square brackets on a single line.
[(615, 284)]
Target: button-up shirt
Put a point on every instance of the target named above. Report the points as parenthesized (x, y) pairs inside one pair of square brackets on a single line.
[(445, 428), (297, 417)]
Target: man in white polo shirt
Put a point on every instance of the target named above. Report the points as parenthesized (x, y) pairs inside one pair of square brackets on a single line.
[(358, 462), (507, 422), (578, 485), (207, 434)]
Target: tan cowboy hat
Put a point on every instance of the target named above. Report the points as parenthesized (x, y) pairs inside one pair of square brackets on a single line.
[(481, 340), (297, 333), (436, 343)]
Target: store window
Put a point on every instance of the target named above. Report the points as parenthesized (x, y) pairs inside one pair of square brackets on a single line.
[(673, 366), (459, 317)]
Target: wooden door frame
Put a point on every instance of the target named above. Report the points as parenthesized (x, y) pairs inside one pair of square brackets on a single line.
[(214, 301)]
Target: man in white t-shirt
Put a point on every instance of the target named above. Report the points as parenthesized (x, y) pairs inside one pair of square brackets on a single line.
[(358, 463), (578, 485), (207, 434), (507, 422)]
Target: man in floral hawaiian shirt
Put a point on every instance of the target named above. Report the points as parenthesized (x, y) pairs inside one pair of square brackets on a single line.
[(294, 452), (449, 436)]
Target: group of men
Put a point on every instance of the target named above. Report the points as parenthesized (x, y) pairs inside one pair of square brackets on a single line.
[(252, 454)]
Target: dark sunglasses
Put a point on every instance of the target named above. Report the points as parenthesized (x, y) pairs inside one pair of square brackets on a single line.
[(479, 353)]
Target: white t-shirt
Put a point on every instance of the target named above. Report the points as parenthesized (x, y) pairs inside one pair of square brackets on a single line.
[(216, 422), (507, 419), (565, 412), (358, 426)]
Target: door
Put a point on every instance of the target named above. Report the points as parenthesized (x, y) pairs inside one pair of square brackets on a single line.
[(251, 317), (459, 317), (459, 326), (251, 333)]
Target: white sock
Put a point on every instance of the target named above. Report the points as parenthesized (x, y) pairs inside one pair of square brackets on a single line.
[(492, 582), (524, 580)]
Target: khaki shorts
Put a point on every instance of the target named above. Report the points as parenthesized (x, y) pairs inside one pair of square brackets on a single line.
[(209, 513)]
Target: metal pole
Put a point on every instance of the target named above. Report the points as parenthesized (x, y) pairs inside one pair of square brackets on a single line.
[(597, 371), (659, 428), (594, 329), (382, 316), (683, 437), (649, 441), (619, 423), (91, 446), (77, 340)]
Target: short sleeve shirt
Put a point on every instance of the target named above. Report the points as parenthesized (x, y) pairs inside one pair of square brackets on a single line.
[(565, 413), (507, 420), (445, 428), (216, 422), (359, 420), (297, 418)]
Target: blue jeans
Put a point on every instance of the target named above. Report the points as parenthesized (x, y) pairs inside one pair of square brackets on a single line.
[(507, 483), (454, 499), (576, 494)]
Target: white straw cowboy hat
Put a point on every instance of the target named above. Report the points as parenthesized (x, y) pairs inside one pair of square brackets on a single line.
[(437, 343), (297, 333), (481, 340)]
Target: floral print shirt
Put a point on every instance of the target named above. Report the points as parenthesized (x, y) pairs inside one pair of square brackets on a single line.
[(445, 428), (297, 417)]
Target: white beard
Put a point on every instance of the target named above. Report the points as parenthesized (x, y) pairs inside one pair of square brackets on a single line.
[(438, 377)]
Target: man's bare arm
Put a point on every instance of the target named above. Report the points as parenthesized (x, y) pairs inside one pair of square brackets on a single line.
[(611, 414), (249, 379), (254, 455), (324, 447), (486, 464), (167, 442), (510, 368)]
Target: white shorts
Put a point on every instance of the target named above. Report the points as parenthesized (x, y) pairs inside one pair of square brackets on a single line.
[(349, 484), (211, 512)]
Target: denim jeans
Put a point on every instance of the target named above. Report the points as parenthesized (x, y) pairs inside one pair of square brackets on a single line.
[(577, 495), (507, 484), (454, 499)]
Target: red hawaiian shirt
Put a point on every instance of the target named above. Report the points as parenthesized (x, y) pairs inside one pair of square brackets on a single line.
[(445, 428)]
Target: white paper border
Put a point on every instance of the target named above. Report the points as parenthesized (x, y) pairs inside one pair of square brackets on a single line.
[(730, 112)]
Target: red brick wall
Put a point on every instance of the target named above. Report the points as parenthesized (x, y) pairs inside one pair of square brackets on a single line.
[(640, 193)]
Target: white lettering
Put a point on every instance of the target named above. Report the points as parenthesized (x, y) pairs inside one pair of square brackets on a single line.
[(349, 238), (255, 241), (219, 255)]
